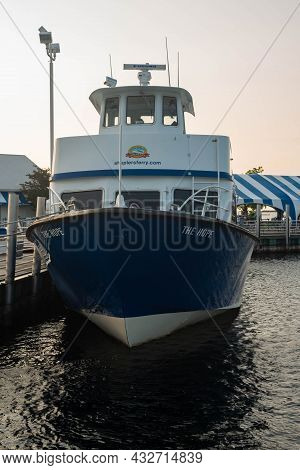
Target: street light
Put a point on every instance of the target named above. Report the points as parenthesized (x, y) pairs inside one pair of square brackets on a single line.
[(52, 49), (45, 36)]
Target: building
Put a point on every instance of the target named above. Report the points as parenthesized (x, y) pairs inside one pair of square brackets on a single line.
[(13, 172)]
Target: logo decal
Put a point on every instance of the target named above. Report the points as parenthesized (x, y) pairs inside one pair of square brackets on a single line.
[(137, 151)]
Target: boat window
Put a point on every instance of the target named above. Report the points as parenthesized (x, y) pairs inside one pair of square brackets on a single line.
[(140, 109), (170, 117), (111, 114), (142, 199), (210, 199), (83, 199)]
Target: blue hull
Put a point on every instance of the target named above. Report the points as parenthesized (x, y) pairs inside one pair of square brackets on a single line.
[(126, 263)]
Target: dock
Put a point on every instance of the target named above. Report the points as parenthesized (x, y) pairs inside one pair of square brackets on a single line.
[(24, 284), (275, 235), (22, 271)]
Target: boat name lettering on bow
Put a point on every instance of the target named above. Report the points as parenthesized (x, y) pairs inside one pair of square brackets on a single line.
[(199, 232), (52, 232)]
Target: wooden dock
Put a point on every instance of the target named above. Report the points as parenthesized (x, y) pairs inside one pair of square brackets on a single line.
[(275, 235), (24, 285), (24, 259), (22, 270)]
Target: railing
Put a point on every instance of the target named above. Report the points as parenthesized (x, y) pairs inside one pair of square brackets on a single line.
[(56, 202), (272, 228), (295, 227), (24, 250), (18, 257), (197, 199)]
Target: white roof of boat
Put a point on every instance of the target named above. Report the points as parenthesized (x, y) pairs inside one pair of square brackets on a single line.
[(99, 95)]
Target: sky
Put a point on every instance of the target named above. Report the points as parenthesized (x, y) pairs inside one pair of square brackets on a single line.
[(244, 82)]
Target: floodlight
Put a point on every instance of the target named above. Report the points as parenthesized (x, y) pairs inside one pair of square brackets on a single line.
[(51, 50), (110, 82), (55, 48), (45, 36)]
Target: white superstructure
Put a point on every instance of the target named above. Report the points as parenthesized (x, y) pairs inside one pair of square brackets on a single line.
[(142, 131)]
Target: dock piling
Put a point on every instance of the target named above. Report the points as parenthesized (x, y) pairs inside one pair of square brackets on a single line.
[(287, 225), (36, 265), (258, 220), (12, 228)]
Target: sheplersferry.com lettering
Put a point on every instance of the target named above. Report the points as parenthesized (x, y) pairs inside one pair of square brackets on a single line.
[(132, 458)]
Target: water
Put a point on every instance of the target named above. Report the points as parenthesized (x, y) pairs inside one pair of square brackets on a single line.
[(196, 389)]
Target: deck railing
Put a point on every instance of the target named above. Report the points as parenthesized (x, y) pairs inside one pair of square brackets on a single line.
[(199, 202), (272, 228), (24, 253), (18, 256)]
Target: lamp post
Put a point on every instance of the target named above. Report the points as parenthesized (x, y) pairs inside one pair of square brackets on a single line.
[(52, 49)]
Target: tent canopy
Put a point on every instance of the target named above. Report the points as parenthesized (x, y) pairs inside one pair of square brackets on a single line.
[(4, 198), (270, 190)]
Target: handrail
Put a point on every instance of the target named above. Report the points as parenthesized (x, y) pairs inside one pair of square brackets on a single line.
[(272, 227), (60, 203), (206, 205)]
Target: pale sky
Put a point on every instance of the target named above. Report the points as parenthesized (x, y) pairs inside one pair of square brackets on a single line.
[(220, 44)]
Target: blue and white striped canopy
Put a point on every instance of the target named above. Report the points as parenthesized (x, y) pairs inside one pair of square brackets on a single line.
[(270, 190), (4, 199)]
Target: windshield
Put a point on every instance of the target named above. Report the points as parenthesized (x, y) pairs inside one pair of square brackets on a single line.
[(140, 110), (111, 114)]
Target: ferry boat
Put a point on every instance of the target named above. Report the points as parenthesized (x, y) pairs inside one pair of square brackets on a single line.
[(141, 238)]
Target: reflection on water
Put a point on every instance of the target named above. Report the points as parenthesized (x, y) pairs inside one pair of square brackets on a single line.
[(197, 388)]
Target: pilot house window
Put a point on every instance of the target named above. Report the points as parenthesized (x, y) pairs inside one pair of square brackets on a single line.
[(140, 109), (111, 113), (170, 117), (142, 199), (83, 199)]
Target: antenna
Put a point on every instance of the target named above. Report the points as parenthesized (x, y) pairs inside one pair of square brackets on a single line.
[(178, 69), (168, 61), (111, 73)]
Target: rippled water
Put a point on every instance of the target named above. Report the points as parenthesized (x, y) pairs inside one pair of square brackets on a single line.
[(196, 389)]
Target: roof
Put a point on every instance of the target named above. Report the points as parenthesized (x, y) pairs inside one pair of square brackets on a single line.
[(14, 170), (271, 190), (98, 95)]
